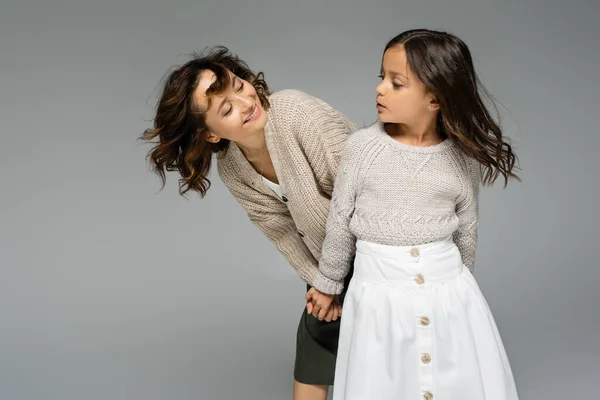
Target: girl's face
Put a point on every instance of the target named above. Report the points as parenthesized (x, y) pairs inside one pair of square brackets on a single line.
[(401, 97), (235, 114)]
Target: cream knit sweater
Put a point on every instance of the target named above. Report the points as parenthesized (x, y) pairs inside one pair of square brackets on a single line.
[(391, 193), (305, 138)]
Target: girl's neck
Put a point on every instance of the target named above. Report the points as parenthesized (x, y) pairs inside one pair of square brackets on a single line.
[(415, 136)]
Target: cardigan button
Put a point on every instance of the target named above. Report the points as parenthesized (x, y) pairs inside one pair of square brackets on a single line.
[(284, 198), (301, 234)]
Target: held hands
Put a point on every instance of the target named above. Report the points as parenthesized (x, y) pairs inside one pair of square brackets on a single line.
[(323, 306)]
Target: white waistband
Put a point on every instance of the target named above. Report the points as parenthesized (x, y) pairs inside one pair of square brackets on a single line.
[(426, 249), (423, 265)]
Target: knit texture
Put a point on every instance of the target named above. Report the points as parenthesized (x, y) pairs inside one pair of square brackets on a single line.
[(391, 193), (305, 138)]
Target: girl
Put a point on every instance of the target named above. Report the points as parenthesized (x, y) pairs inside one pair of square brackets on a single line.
[(416, 325), (278, 155)]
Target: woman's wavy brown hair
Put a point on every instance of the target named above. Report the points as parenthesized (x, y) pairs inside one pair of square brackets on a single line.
[(444, 64), (179, 125)]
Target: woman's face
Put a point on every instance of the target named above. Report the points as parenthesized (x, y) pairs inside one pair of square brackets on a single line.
[(234, 114)]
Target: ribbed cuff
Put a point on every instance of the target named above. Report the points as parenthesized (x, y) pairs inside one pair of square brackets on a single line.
[(325, 285)]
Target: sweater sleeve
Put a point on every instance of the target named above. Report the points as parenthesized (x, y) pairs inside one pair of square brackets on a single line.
[(276, 223), (320, 130), (340, 243), (325, 134), (467, 210)]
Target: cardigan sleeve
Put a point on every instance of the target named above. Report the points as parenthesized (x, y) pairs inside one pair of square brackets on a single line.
[(274, 220)]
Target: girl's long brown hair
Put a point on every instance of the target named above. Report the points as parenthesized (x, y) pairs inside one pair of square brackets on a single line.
[(180, 127), (444, 64)]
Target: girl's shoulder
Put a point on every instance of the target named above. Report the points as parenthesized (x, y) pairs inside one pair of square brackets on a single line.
[(466, 166), (364, 146), (366, 137)]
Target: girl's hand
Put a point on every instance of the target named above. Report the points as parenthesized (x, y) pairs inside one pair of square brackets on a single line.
[(323, 306)]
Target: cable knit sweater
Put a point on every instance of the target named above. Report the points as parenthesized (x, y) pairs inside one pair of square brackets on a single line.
[(305, 138), (392, 193)]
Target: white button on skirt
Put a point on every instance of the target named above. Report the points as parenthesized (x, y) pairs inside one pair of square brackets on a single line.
[(416, 326)]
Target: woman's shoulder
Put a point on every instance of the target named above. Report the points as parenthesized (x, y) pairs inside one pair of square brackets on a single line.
[(290, 95), (296, 102), (225, 163), (229, 163)]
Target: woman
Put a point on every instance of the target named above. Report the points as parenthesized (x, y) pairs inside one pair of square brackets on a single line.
[(278, 155)]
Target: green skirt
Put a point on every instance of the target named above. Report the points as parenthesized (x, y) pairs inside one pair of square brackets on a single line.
[(316, 347)]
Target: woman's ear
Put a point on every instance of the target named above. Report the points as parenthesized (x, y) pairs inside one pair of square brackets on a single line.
[(212, 138)]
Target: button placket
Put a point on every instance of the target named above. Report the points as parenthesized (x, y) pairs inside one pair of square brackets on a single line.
[(420, 279), (415, 254), (424, 311)]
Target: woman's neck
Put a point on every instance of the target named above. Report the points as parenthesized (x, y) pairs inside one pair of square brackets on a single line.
[(255, 150), (254, 147)]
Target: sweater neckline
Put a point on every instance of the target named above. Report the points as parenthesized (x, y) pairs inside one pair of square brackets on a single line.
[(436, 148)]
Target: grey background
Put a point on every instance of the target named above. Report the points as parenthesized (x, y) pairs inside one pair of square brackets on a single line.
[(111, 290)]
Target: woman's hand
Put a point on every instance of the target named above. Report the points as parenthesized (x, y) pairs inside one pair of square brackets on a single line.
[(323, 306)]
